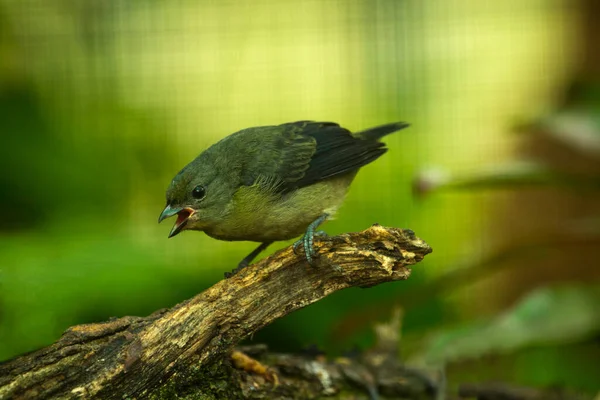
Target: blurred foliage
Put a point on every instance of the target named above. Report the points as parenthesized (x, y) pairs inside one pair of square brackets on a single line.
[(102, 102), (511, 175), (552, 326), (551, 315)]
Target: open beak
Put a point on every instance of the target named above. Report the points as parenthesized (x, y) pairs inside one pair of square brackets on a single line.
[(183, 214)]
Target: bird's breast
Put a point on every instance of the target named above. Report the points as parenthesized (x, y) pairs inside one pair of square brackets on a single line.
[(262, 216)]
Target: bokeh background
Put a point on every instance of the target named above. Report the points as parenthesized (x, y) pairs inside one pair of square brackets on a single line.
[(103, 101)]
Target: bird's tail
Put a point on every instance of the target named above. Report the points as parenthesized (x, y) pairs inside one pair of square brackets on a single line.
[(378, 132)]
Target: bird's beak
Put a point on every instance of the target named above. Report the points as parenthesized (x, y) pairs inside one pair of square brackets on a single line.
[(183, 214)]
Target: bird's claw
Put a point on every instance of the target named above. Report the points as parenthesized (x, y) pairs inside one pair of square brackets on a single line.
[(243, 264), (297, 244), (306, 241)]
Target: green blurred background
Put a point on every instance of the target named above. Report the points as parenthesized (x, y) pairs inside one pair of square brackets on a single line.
[(103, 101)]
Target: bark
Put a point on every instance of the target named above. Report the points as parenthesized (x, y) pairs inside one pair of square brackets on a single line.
[(185, 351)]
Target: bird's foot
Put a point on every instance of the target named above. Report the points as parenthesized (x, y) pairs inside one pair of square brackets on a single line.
[(307, 240), (243, 264), (300, 242)]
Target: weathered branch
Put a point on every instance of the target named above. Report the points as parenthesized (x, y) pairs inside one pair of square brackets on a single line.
[(376, 372), (140, 357)]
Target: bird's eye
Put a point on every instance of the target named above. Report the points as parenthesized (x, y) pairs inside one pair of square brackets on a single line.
[(199, 192)]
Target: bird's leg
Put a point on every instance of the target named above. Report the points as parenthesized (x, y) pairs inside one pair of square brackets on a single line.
[(300, 241), (248, 259), (308, 237)]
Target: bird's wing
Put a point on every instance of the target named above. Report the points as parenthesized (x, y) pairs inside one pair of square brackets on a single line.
[(306, 152)]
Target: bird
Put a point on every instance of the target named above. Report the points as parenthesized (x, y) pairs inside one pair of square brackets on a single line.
[(272, 183)]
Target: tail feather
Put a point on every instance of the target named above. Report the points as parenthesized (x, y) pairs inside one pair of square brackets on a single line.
[(378, 132)]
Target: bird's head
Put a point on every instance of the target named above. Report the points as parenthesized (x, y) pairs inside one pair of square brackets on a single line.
[(198, 195)]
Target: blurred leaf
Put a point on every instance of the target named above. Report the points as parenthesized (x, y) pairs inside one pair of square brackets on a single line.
[(547, 315), (575, 124), (508, 176), (577, 129)]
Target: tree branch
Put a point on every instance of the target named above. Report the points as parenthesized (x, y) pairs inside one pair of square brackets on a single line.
[(141, 357)]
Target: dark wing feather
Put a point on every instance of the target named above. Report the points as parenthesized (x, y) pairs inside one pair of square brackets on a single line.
[(314, 151)]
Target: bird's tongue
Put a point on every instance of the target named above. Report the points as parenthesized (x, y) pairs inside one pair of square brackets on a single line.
[(182, 217), (182, 220)]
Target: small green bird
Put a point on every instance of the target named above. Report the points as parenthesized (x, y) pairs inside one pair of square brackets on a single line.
[(271, 183)]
